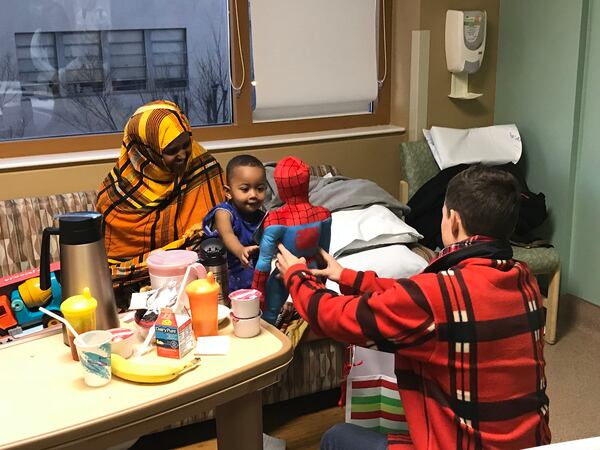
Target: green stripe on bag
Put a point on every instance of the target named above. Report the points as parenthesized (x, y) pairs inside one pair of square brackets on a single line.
[(376, 407), (377, 399)]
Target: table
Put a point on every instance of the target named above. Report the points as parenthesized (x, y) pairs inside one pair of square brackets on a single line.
[(45, 403)]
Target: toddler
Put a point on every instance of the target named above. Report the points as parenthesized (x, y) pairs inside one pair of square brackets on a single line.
[(236, 219)]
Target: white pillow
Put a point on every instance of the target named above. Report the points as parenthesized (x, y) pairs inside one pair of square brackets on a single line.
[(365, 228), (498, 144), (393, 261)]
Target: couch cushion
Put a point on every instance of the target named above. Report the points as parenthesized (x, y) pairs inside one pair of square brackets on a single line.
[(22, 221)]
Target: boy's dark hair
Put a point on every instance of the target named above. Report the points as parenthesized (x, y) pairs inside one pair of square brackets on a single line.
[(487, 200), (242, 161)]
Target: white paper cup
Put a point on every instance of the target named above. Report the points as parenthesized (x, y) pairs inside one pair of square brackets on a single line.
[(246, 328), (122, 341), (245, 303), (94, 350)]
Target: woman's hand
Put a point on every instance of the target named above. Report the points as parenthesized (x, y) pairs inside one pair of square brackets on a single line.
[(332, 270), (285, 260), (245, 254)]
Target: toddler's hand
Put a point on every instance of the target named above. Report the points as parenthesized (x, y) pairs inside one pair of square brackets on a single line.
[(333, 269), (245, 254)]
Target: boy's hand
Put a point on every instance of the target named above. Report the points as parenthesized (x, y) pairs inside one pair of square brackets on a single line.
[(245, 254), (285, 260), (332, 270)]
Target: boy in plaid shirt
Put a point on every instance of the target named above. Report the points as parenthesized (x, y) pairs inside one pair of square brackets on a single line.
[(467, 333)]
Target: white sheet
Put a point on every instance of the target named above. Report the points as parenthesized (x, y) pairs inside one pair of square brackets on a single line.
[(498, 144), (365, 228)]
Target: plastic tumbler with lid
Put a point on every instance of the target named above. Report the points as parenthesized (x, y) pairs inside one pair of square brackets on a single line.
[(167, 265), (80, 312), (204, 300)]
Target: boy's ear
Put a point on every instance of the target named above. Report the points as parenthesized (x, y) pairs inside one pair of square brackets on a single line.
[(456, 223), (227, 191)]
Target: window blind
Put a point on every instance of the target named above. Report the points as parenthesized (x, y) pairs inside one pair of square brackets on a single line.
[(313, 58)]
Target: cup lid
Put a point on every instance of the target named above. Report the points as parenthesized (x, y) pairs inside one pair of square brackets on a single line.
[(79, 305), (170, 262), (203, 286), (245, 294), (120, 334)]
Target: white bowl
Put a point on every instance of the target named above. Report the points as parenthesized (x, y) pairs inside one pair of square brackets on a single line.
[(246, 328)]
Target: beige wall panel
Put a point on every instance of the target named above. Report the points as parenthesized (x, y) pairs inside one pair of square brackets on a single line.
[(442, 110), (374, 158), (406, 19)]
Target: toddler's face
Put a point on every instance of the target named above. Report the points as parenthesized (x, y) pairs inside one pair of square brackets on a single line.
[(247, 188)]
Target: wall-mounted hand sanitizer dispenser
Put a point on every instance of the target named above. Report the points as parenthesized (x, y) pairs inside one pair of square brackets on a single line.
[(465, 43)]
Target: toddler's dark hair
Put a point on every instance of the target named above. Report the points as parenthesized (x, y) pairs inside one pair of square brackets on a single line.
[(487, 200), (242, 161)]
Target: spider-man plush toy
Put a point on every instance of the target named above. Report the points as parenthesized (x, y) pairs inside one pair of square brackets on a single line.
[(301, 227)]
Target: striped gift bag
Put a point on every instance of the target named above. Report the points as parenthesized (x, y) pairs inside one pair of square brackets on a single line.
[(372, 397)]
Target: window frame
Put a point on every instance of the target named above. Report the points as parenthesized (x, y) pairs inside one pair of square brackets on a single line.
[(242, 125)]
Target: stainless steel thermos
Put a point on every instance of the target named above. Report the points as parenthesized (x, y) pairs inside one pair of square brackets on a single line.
[(83, 263), (213, 256)]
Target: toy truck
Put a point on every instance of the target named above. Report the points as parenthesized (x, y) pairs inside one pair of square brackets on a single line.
[(19, 308)]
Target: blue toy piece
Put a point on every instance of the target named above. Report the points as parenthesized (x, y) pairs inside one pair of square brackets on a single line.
[(28, 317)]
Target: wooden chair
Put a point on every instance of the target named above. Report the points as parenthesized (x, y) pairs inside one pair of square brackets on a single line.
[(418, 166)]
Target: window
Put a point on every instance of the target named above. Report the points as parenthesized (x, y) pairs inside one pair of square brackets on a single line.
[(169, 58), (36, 59), (71, 70), (92, 62), (80, 62), (127, 60)]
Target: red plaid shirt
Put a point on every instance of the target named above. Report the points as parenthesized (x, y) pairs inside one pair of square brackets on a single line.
[(468, 342)]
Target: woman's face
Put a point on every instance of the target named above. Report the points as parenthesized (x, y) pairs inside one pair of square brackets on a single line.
[(176, 154)]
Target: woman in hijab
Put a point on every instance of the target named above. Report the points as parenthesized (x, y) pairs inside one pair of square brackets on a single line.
[(160, 189)]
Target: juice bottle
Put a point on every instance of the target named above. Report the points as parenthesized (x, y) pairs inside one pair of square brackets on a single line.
[(204, 299)]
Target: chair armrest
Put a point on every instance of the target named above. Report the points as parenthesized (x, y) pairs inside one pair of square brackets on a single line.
[(403, 195)]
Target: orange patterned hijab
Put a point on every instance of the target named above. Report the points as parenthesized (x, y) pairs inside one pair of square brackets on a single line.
[(145, 206)]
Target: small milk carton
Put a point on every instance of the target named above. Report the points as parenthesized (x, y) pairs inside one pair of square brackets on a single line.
[(174, 336)]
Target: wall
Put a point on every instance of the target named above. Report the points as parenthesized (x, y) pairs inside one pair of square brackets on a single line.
[(538, 80), (374, 158), (585, 249), (442, 110)]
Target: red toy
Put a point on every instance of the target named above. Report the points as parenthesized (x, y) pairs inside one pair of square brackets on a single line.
[(299, 225)]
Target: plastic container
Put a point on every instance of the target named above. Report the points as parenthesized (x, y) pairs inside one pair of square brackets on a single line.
[(203, 295), (122, 341), (245, 303), (164, 266), (246, 328), (80, 312)]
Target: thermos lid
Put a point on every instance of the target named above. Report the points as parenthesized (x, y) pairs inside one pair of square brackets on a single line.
[(82, 227), (212, 252), (79, 305)]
